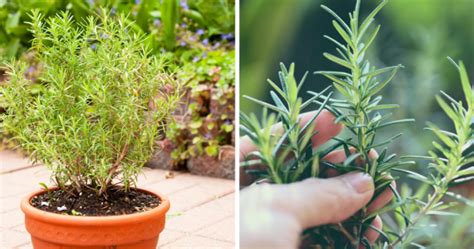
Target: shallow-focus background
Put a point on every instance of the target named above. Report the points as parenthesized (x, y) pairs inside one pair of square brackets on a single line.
[(419, 34)]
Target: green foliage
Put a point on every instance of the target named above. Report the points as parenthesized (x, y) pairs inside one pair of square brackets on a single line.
[(208, 120), (102, 106), (293, 141), (12, 28), (205, 13), (193, 37), (213, 67), (361, 110), (169, 15), (156, 20), (451, 161)]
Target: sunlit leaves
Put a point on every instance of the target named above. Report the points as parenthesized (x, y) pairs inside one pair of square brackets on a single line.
[(95, 122)]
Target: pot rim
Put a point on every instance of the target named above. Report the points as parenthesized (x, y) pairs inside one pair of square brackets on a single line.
[(49, 217)]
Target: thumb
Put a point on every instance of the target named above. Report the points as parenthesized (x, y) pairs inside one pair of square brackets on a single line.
[(322, 201)]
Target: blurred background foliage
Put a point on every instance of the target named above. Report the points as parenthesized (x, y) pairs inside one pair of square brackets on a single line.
[(149, 17), (419, 34)]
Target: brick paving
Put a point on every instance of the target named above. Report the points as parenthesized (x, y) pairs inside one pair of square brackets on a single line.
[(201, 214)]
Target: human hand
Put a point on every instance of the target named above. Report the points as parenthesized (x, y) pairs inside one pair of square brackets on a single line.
[(274, 216)]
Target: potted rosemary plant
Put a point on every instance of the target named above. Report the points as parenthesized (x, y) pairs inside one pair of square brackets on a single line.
[(288, 156), (94, 124)]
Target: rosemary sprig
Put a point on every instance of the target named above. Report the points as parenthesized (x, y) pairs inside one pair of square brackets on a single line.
[(360, 107), (294, 141), (450, 159)]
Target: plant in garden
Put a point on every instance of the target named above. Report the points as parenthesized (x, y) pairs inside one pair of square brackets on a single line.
[(289, 157), (195, 36), (208, 117), (103, 105)]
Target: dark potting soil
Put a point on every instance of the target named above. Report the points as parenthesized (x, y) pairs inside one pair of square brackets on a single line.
[(87, 203)]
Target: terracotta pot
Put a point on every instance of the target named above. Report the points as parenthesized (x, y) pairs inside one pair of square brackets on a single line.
[(132, 231)]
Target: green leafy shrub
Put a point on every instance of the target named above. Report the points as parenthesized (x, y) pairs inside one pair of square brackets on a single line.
[(196, 38), (363, 114), (103, 105)]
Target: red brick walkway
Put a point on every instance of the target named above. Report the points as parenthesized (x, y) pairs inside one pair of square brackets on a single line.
[(201, 214)]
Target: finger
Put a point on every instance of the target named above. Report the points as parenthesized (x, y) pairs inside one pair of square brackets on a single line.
[(371, 234), (339, 156), (383, 199), (322, 201), (324, 125)]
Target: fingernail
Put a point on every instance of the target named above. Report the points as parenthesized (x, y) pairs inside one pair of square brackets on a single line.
[(361, 182)]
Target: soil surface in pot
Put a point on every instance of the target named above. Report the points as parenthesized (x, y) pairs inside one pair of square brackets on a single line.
[(88, 203)]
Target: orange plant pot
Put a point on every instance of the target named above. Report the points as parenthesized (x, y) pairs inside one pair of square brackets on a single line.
[(132, 231)]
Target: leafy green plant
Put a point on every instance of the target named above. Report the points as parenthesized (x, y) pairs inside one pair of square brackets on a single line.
[(169, 15), (360, 109), (199, 52), (104, 102), (295, 141), (208, 120), (205, 14), (450, 159)]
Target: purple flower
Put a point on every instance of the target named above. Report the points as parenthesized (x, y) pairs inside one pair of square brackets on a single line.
[(157, 22), (208, 136), (216, 45), (182, 44), (204, 55), (91, 2), (184, 4), (184, 25), (195, 59), (205, 42), (229, 36), (228, 122), (104, 36), (200, 32), (94, 46), (30, 69), (137, 2)]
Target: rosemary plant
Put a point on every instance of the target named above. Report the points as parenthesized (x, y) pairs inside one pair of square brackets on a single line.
[(288, 155), (292, 141), (450, 164), (95, 123)]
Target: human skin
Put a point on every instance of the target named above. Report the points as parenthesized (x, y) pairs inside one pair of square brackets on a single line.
[(274, 216)]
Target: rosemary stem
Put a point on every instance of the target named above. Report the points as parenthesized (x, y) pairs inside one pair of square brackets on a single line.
[(434, 199), (346, 233)]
